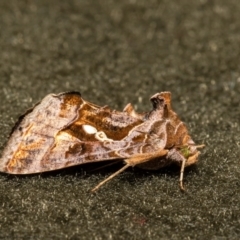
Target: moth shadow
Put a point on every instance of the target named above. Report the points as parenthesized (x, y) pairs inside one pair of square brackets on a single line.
[(83, 170), (131, 174), (105, 168), (171, 171)]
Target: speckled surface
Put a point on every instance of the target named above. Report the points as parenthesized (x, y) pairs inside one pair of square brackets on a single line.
[(114, 53)]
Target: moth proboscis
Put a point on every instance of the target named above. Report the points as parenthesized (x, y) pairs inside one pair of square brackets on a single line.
[(64, 130)]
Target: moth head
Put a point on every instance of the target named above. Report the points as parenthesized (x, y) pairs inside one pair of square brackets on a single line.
[(190, 152)]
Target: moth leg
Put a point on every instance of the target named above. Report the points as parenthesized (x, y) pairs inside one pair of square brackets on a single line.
[(110, 177), (181, 175), (145, 157), (133, 161)]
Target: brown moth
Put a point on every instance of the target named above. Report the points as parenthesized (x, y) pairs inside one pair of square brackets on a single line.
[(64, 130)]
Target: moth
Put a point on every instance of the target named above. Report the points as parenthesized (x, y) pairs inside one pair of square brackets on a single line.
[(64, 130)]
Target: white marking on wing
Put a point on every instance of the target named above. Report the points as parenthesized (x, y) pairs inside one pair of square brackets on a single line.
[(101, 136), (89, 129)]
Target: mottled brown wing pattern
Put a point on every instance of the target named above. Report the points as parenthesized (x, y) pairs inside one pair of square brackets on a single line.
[(64, 130), (34, 135)]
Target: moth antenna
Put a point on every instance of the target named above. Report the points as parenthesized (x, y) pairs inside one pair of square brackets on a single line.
[(181, 175), (200, 146), (110, 177)]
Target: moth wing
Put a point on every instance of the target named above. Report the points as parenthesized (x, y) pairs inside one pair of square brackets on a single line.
[(68, 151), (47, 137), (35, 132)]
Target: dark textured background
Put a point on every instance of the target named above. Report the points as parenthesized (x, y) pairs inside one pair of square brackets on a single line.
[(115, 52)]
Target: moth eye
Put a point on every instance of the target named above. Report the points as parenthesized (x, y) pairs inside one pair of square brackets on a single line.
[(89, 129)]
